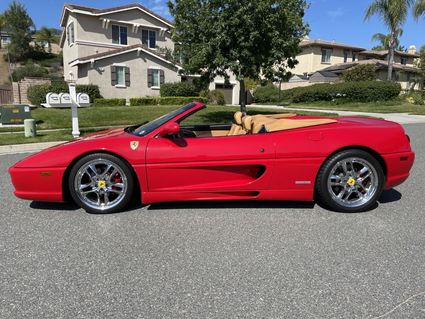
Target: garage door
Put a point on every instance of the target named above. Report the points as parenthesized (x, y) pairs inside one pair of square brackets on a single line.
[(227, 91)]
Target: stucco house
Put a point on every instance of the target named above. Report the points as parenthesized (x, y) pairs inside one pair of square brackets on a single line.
[(119, 49), (325, 61)]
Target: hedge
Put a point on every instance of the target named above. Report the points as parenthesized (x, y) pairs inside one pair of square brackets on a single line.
[(37, 94), (363, 91), (110, 102), (178, 89), (178, 100)]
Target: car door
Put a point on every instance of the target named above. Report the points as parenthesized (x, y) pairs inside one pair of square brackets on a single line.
[(213, 164)]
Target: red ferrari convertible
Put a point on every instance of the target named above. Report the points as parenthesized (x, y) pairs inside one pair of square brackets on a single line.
[(345, 163)]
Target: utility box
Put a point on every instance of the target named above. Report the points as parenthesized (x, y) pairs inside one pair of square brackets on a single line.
[(14, 114)]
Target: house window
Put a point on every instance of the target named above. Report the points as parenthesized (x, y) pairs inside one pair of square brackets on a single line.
[(346, 56), (355, 57), (326, 55), (70, 35), (149, 38), (155, 77), (120, 76), (403, 60), (119, 35)]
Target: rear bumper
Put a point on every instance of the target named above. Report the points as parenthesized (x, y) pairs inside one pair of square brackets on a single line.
[(38, 184), (398, 168)]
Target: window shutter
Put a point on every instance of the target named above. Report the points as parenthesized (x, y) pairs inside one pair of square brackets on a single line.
[(162, 76), (113, 75), (127, 76), (150, 78)]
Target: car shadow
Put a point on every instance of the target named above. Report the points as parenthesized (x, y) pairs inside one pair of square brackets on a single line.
[(231, 204), (390, 196), (54, 206)]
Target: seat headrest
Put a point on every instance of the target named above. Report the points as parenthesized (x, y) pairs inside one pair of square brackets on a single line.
[(238, 117), (247, 123)]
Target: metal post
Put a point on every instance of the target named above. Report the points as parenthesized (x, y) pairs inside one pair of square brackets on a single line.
[(75, 125)]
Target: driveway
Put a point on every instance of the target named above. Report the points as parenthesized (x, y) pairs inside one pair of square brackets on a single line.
[(215, 260)]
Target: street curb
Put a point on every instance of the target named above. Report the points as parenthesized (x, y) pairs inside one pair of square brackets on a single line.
[(26, 148)]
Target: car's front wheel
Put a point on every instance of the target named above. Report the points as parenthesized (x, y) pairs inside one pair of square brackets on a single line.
[(350, 181), (101, 183)]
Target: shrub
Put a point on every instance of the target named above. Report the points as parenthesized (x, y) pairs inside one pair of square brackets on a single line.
[(29, 70), (110, 102), (178, 100), (364, 91), (179, 89), (365, 72), (215, 97), (166, 100), (414, 98), (144, 101), (37, 94), (267, 93)]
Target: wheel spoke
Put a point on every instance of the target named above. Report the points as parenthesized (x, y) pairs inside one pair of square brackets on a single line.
[(91, 171)]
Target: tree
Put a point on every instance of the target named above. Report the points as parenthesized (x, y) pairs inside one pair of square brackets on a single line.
[(247, 38), (361, 72), (20, 26), (384, 40), (393, 13), (419, 8), (47, 35), (2, 25)]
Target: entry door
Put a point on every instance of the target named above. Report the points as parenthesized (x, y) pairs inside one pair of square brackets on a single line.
[(213, 164)]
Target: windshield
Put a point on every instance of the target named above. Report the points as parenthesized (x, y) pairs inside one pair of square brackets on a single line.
[(153, 125)]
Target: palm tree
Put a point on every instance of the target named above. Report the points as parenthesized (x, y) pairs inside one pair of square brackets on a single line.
[(384, 40), (419, 8), (47, 35), (393, 13)]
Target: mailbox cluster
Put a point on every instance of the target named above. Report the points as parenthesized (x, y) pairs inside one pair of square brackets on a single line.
[(64, 100)]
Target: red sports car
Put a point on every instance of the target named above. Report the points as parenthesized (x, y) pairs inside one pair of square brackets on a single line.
[(345, 163)]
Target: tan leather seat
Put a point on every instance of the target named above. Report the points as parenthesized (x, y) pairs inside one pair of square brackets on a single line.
[(237, 128), (247, 124)]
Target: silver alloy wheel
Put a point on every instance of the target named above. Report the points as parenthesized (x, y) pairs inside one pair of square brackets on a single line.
[(100, 184), (353, 182)]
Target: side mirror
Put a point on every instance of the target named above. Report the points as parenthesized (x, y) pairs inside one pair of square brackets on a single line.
[(171, 128)]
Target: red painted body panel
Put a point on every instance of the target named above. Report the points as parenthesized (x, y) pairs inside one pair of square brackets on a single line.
[(273, 166)]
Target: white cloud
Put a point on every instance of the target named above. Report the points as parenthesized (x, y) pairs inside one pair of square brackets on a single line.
[(335, 13)]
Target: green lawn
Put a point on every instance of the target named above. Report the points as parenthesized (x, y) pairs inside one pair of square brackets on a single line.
[(396, 106), (106, 116)]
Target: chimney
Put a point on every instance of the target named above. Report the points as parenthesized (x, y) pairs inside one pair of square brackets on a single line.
[(412, 49)]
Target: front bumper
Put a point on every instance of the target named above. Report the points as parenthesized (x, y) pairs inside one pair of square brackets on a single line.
[(38, 184)]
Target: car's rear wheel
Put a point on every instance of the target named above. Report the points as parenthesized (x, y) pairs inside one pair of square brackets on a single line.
[(350, 181), (101, 183)]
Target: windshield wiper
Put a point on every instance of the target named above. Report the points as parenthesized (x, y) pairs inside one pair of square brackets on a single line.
[(131, 129)]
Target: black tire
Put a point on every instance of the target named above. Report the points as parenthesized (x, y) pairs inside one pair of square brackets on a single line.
[(123, 177), (327, 194)]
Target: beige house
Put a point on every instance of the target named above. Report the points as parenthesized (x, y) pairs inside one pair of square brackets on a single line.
[(325, 61), (117, 49)]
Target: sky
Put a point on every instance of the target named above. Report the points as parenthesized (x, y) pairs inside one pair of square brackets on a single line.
[(339, 20)]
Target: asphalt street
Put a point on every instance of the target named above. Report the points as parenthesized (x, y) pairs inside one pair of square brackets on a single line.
[(215, 260)]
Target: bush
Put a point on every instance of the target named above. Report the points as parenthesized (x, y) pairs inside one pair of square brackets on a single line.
[(144, 101), (179, 89), (110, 102), (414, 98), (365, 72), (29, 70), (364, 91), (37, 94), (178, 100), (267, 93), (215, 97)]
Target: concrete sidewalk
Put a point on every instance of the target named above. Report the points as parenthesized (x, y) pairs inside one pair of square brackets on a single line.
[(26, 148), (401, 118)]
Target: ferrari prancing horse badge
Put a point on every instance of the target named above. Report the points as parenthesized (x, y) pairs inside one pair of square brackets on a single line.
[(134, 145)]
